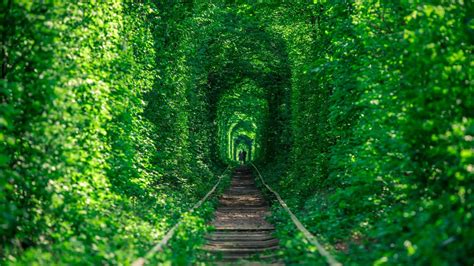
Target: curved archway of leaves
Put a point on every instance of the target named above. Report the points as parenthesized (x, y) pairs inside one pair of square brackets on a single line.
[(359, 113), (242, 110), (243, 143), (239, 57)]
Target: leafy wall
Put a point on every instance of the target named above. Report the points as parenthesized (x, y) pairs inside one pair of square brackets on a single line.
[(115, 117)]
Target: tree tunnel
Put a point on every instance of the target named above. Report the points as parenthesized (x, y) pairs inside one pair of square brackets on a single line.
[(239, 131), (242, 117), (243, 143), (116, 116), (247, 82)]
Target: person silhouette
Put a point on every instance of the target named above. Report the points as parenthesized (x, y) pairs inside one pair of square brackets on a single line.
[(242, 156)]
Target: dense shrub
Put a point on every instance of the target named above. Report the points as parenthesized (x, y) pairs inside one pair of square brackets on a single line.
[(114, 117), (80, 172), (385, 164)]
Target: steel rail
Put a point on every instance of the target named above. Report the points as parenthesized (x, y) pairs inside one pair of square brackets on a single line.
[(159, 246), (311, 238)]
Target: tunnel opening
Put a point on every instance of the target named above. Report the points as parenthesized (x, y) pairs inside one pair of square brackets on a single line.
[(244, 72), (242, 115)]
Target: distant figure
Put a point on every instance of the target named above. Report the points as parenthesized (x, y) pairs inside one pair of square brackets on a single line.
[(242, 156)]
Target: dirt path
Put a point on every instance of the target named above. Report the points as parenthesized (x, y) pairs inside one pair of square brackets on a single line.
[(241, 229)]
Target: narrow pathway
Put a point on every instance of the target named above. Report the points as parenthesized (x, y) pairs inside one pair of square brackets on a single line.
[(242, 233)]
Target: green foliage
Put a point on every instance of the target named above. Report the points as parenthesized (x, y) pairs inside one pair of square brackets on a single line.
[(242, 114), (81, 180), (114, 117), (384, 165)]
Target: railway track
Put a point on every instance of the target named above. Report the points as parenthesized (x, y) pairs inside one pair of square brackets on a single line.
[(242, 234)]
